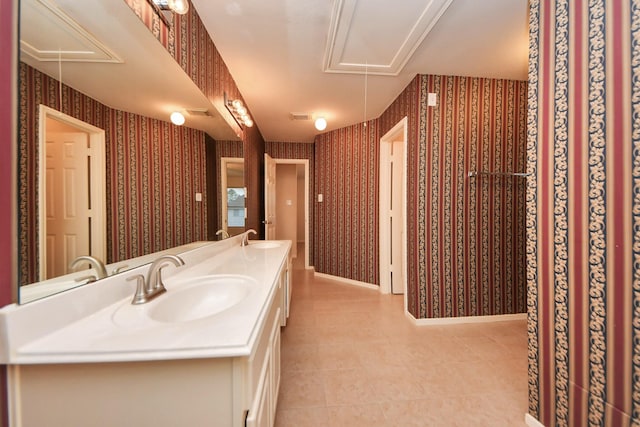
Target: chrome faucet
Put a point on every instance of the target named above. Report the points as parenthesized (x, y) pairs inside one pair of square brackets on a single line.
[(98, 266), (223, 233), (245, 237), (146, 291)]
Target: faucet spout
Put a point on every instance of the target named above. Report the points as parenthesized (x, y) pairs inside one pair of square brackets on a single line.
[(245, 236), (96, 264), (153, 287)]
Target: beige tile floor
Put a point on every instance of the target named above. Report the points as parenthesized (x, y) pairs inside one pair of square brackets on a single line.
[(350, 357)]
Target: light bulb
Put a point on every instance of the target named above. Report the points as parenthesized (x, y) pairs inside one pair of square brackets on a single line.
[(248, 123), (321, 123), (179, 6), (177, 118)]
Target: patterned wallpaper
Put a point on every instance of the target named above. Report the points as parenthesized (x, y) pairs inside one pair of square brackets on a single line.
[(466, 254), (583, 213), (154, 170), (472, 240), (345, 228), (298, 150)]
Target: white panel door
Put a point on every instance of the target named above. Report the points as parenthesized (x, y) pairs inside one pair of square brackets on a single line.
[(68, 200), (396, 217), (269, 198)]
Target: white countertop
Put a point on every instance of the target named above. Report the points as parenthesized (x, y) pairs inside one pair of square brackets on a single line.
[(92, 335)]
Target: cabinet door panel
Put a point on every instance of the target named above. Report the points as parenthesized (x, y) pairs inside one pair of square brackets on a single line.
[(260, 412), (274, 364)]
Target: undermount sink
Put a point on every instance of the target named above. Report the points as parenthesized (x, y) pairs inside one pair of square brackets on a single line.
[(200, 297), (265, 245)]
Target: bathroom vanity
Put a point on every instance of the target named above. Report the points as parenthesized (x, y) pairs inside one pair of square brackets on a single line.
[(205, 353)]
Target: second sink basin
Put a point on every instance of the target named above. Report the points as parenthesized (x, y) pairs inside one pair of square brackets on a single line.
[(200, 297)]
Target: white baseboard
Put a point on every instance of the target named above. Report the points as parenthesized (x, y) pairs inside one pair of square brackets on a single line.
[(466, 319), (532, 422), (347, 281)]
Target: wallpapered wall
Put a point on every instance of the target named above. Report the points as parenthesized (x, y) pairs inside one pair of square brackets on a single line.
[(154, 170), (583, 217), (188, 41), (253, 150), (298, 150), (345, 227), (471, 230), (465, 236)]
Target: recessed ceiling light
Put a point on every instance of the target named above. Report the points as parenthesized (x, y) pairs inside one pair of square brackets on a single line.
[(321, 123), (177, 118)]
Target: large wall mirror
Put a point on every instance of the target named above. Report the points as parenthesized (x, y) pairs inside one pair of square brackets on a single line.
[(95, 87)]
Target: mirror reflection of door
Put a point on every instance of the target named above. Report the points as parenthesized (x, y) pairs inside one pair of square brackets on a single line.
[(269, 198), (72, 179), (233, 205)]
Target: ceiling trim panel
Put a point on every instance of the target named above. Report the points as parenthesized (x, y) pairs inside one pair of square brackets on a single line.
[(348, 42), (52, 35)]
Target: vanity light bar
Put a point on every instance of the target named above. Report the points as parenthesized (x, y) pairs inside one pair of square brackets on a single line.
[(238, 111)]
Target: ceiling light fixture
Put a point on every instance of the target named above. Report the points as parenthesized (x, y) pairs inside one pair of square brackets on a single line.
[(177, 118), (238, 111), (176, 6), (321, 123)]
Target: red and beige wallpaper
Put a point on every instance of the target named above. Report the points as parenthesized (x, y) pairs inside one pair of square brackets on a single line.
[(153, 171), (466, 253), (345, 235), (583, 213)]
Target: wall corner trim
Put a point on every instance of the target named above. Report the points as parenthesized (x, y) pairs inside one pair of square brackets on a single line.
[(467, 319), (531, 421), (346, 281)]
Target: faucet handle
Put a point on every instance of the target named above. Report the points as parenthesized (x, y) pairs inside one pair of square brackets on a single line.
[(86, 279), (222, 233), (140, 296), (120, 269)]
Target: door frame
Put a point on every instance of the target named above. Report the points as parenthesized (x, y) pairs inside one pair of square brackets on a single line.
[(400, 129), (98, 184), (305, 163)]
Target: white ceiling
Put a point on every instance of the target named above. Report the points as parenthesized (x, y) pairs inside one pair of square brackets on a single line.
[(290, 56), (277, 52)]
